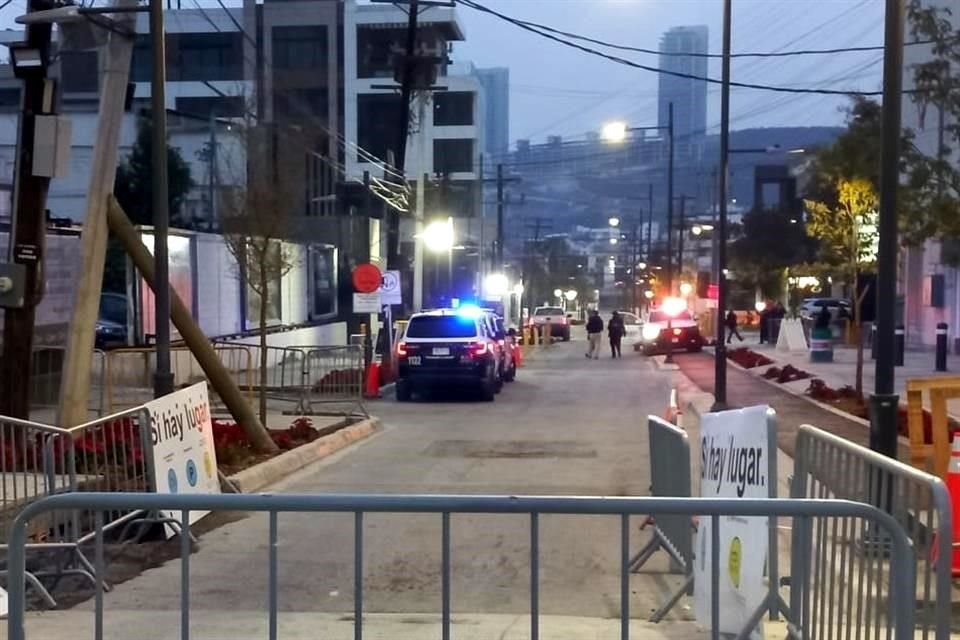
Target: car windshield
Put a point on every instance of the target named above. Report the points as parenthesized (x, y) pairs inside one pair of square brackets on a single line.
[(441, 327), (113, 309), (548, 311), (660, 316)]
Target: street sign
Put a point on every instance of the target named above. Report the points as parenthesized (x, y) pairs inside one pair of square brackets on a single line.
[(366, 278), (390, 290), (366, 302)]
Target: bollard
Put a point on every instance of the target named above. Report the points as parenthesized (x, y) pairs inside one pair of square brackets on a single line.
[(873, 340), (548, 334), (899, 340), (941, 360)]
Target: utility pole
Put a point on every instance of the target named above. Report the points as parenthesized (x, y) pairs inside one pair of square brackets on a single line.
[(75, 387), (501, 183), (720, 348), (682, 229), (212, 170), (884, 401), (649, 221), (28, 231), (670, 151), (163, 377)]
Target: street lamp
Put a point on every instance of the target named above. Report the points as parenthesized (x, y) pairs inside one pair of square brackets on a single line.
[(438, 235), (686, 289), (613, 241), (641, 265), (570, 295), (497, 285), (615, 132), (614, 221), (699, 229)]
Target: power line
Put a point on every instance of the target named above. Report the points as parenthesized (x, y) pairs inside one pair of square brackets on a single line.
[(630, 63)]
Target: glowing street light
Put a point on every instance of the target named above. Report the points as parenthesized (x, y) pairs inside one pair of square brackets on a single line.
[(759, 305), (496, 285), (613, 241), (641, 265), (557, 293), (570, 295), (518, 288), (438, 236), (648, 294), (615, 132), (614, 221), (686, 288), (698, 229)]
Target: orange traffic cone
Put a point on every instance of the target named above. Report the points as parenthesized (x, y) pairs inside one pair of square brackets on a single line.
[(372, 387), (953, 485)]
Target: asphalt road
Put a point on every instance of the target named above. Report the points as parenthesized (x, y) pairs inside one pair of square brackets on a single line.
[(568, 425)]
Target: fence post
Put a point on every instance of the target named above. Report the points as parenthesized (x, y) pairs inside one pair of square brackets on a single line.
[(941, 360)]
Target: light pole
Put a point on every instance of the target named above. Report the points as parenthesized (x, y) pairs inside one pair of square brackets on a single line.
[(616, 132), (720, 350), (883, 403)]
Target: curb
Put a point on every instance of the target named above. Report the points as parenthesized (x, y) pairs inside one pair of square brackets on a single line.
[(661, 365), (275, 469)]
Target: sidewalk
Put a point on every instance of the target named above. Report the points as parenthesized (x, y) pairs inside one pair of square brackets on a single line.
[(744, 390), (842, 371)]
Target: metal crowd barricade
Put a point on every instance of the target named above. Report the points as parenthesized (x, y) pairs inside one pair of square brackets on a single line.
[(669, 477), (899, 618), (827, 466), (332, 376), (109, 454), (129, 372), (47, 375)]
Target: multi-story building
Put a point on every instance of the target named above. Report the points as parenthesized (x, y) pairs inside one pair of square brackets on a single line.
[(929, 278), (683, 51), (496, 94)]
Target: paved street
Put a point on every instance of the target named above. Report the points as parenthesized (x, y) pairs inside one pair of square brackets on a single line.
[(567, 426)]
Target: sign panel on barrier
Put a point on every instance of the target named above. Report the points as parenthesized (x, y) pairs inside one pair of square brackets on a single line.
[(734, 453), (184, 458)]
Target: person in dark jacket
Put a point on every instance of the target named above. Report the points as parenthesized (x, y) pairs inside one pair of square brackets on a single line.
[(594, 333), (731, 322), (615, 329)]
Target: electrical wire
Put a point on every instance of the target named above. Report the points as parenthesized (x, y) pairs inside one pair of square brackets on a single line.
[(678, 74)]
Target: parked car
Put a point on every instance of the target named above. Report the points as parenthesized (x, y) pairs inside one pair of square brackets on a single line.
[(448, 348), (111, 328), (555, 317), (681, 332), (631, 324), (838, 307), (506, 345)]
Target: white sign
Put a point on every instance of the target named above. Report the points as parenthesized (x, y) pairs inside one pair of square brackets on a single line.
[(734, 459), (390, 290), (366, 302), (791, 336), (4, 604), (184, 458)]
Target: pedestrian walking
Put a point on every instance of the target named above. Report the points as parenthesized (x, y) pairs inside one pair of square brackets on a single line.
[(765, 324), (594, 334), (732, 330), (615, 330)]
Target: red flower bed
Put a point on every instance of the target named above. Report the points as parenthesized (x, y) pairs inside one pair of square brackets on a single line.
[(235, 452), (748, 359), (846, 399), (789, 373)]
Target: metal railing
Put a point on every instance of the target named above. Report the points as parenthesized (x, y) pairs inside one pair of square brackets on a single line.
[(129, 372), (109, 454), (47, 375), (805, 512), (673, 534), (826, 467)]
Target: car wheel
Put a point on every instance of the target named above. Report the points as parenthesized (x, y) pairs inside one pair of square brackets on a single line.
[(403, 391), (511, 374), (566, 335), (488, 390)]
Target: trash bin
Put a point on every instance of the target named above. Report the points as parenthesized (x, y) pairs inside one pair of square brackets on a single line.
[(821, 344)]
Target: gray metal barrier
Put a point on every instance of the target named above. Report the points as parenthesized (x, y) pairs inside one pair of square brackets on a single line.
[(332, 376), (827, 466), (673, 534), (46, 377), (109, 454), (805, 512)]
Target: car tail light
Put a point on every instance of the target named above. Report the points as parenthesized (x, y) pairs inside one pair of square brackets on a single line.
[(677, 332), (478, 349), (402, 350)]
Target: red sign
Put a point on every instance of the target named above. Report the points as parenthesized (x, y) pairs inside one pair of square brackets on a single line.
[(367, 278), (713, 292)]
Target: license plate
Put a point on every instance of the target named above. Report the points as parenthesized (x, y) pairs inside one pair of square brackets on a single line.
[(414, 361), (441, 351), (675, 340)]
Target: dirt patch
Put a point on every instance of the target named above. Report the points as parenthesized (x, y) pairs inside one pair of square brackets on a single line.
[(510, 449)]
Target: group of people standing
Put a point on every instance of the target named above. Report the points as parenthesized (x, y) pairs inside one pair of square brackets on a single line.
[(615, 331)]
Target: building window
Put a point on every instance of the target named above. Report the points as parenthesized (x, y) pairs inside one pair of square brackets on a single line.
[(452, 108), (217, 106), (376, 51), (377, 115), (322, 264), (452, 156), (300, 47), (300, 104), (206, 56), (9, 98), (80, 72)]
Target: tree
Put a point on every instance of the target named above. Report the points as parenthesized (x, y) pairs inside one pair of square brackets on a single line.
[(770, 242), (134, 183), (257, 216), (847, 233)]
